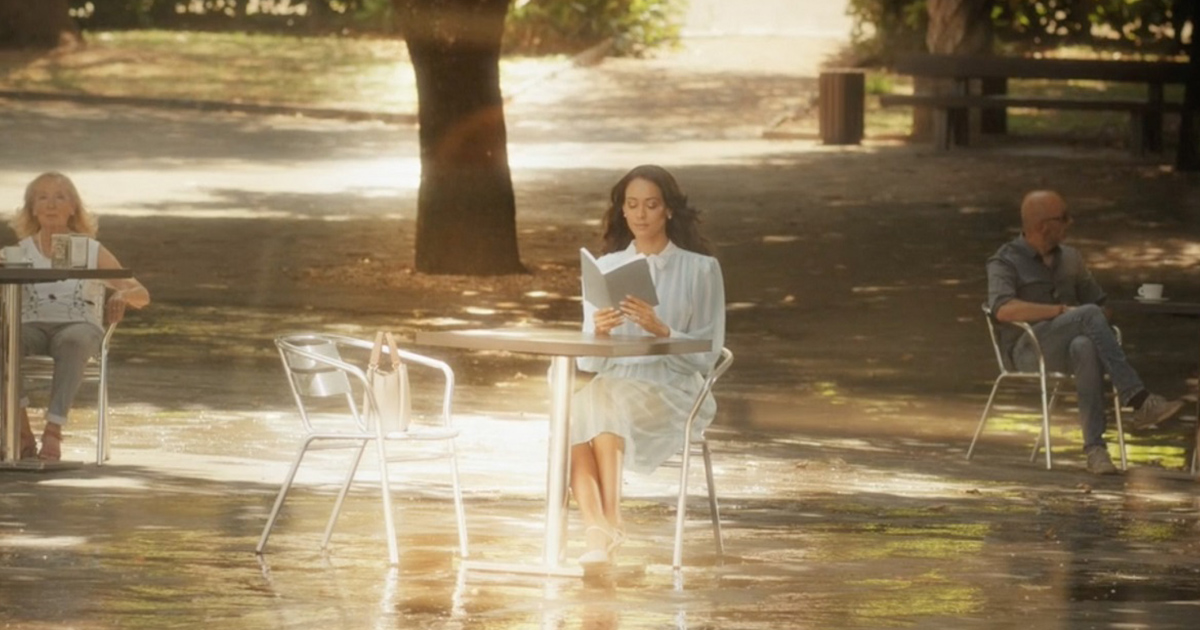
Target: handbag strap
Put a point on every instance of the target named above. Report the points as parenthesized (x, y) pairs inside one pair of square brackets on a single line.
[(376, 350), (394, 349)]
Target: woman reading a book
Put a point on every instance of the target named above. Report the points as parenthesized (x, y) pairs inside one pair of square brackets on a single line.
[(632, 414)]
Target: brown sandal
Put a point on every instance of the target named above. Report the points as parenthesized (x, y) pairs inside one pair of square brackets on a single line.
[(29, 449), (51, 443)]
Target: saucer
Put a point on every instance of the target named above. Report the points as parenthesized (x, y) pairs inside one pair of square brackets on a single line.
[(1152, 300)]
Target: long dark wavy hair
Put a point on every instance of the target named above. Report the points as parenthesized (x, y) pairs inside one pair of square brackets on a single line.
[(683, 227)]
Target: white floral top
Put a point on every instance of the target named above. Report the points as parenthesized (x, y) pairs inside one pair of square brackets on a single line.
[(63, 301)]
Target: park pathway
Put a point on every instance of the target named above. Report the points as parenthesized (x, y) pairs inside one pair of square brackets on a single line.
[(853, 278)]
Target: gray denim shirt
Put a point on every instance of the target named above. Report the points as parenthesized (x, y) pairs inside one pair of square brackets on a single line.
[(1016, 271)]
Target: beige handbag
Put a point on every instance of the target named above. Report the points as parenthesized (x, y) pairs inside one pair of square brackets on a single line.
[(389, 384)]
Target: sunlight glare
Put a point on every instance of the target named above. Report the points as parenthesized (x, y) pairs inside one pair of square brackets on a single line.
[(44, 542), (100, 482), (440, 321)]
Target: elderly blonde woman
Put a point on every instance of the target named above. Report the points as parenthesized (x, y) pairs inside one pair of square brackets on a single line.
[(64, 319)]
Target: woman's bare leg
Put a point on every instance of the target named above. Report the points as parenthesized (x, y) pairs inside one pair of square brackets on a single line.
[(609, 454), (585, 484)]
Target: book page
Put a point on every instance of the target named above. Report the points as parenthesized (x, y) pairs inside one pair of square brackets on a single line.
[(594, 289), (632, 278), (607, 289)]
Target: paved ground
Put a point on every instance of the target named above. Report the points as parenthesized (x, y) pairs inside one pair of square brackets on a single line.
[(854, 280)]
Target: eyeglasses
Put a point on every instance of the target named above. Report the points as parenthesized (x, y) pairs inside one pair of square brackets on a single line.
[(1065, 217)]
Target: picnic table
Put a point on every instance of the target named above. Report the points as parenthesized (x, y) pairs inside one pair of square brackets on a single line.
[(992, 74)]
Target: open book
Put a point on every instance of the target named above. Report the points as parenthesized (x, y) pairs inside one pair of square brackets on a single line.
[(606, 289)]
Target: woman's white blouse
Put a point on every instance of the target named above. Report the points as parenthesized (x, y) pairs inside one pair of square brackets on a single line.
[(62, 301), (691, 302)]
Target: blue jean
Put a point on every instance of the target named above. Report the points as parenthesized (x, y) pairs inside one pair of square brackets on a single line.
[(71, 345), (1082, 342)]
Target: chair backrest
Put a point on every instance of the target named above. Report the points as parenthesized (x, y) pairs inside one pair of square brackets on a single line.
[(722, 365), (314, 365), (1002, 361), (719, 368), (315, 369)]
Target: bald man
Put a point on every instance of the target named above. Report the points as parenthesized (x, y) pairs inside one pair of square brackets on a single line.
[(1037, 279)]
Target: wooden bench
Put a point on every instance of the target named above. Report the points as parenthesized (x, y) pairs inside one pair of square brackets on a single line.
[(951, 111)]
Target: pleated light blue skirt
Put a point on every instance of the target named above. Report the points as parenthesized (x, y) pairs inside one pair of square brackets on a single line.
[(645, 403)]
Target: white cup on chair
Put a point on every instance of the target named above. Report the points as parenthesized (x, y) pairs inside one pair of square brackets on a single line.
[(1150, 291)]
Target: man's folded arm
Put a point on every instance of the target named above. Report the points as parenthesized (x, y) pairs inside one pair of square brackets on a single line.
[(1016, 310), (1002, 296)]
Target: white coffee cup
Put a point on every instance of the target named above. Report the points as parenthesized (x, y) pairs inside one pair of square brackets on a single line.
[(14, 255), (1150, 291)]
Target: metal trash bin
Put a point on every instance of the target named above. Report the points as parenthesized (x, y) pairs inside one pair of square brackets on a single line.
[(841, 98)]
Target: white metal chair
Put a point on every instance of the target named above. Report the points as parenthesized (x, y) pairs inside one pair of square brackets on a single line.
[(1045, 379), (316, 371), (699, 447), (37, 367)]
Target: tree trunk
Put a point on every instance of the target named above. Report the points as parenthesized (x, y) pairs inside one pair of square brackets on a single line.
[(37, 24), (1187, 156), (959, 27), (956, 27), (466, 213)]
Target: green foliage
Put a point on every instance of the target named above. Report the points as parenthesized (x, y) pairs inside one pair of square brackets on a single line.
[(884, 28), (877, 84), (367, 73), (1154, 26), (532, 26), (634, 26)]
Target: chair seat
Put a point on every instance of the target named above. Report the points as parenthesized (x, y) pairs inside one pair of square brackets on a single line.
[(40, 366), (420, 434), (413, 434)]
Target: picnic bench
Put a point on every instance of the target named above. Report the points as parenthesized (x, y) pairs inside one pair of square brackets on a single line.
[(951, 116)]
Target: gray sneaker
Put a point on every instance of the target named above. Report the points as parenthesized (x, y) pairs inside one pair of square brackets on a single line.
[(1155, 410), (1099, 463)]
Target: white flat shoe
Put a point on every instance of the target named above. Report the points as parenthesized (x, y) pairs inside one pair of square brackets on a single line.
[(599, 557), (616, 539), (594, 558)]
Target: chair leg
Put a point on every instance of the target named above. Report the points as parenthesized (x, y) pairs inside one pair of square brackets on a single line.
[(1120, 428), (283, 490), (389, 523), (714, 510), (341, 497), (101, 427), (102, 453), (1046, 419), (1037, 444), (460, 514), (681, 503), (983, 419)]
